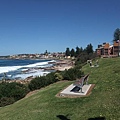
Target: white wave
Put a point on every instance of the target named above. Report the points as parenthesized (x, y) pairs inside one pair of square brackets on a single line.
[(36, 64), (24, 70), (13, 68), (9, 68), (35, 74)]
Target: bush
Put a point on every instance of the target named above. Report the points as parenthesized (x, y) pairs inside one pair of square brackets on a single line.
[(58, 76), (37, 83), (72, 74), (50, 78), (42, 81), (83, 57), (6, 101), (11, 92)]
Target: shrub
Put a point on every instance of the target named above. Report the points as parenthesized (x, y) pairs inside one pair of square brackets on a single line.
[(6, 101), (42, 81), (83, 57), (58, 76), (50, 78), (11, 92), (19, 91), (37, 83), (72, 74)]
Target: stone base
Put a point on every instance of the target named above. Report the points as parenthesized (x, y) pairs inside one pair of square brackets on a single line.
[(85, 90)]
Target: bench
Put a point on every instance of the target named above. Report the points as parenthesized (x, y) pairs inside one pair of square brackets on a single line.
[(79, 83), (75, 89)]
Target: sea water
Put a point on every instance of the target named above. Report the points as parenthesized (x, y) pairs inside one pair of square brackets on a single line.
[(22, 69)]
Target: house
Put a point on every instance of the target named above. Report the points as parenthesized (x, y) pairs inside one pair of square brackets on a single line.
[(107, 50)]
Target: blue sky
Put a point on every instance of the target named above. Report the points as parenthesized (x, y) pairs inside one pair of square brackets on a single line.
[(33, 26)]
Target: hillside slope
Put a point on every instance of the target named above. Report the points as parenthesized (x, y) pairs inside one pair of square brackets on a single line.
[(102, 103)]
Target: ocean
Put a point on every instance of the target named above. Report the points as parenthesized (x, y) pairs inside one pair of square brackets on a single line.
[(21, 69)]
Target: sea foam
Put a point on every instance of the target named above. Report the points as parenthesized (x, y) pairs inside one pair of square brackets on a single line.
[(31, 69), (13, 68)]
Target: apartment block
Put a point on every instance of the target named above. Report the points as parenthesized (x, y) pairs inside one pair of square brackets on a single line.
[(107, 50)]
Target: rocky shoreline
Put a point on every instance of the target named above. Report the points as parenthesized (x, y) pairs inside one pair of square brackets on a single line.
[(60, 65)]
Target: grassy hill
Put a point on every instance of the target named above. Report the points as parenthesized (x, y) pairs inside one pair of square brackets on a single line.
[(104, 101)]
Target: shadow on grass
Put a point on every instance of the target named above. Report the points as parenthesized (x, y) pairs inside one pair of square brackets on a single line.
[(63, 117), (97, 118)]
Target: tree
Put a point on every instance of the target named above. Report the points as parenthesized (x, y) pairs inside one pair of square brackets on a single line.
[(117, 34), (81, 50), (67, 53), (77, 51), (89, 48), (82, 58), (72, 52)]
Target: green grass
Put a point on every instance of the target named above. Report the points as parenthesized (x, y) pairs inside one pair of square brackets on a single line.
[(104, 100)]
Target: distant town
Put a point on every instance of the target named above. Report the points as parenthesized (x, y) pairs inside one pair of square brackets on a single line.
[(103, 50), (35, 56)]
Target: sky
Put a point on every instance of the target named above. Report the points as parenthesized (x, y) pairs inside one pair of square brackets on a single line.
[(34, 26)]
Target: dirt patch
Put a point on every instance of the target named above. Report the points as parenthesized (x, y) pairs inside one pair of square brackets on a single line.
[(31, 93)]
